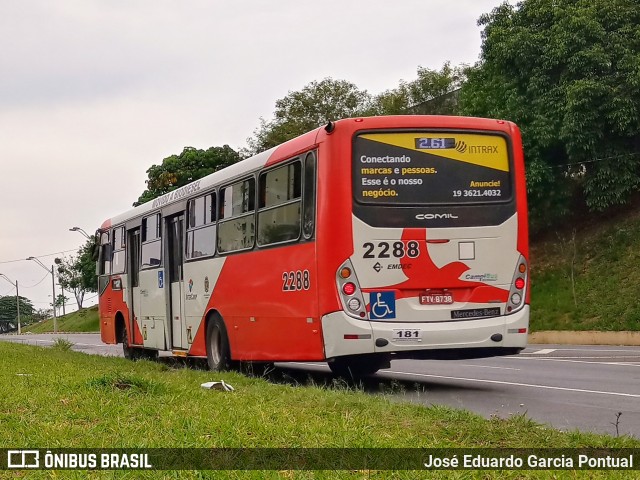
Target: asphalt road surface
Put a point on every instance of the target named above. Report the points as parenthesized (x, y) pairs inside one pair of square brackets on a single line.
[(568, 387)]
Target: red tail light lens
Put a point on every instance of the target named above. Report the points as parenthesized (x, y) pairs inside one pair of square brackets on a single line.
[(349, 288), (519, 283)]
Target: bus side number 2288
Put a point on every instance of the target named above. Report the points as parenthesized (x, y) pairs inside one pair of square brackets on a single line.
[(296, 281)]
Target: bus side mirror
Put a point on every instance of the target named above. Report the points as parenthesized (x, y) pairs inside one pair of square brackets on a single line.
[(95, 252)]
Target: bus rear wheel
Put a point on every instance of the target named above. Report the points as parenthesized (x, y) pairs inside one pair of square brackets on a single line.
[(356, 366), (218, 351)]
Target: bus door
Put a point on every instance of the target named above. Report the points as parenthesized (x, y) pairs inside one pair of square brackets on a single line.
[(152, 313), (175, 228), (133, 256)]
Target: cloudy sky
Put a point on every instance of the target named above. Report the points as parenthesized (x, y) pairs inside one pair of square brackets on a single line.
[(94, 92)]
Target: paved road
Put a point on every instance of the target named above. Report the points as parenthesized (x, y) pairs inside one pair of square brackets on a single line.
[(82, 342), (567, 387)]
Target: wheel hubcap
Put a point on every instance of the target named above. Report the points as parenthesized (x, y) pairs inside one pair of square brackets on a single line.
[(215, 346)]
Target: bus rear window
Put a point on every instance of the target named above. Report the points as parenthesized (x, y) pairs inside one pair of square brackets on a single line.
[(427, 168)]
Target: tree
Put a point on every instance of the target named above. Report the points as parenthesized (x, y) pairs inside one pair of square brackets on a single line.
[(320, 102), (61, 301), (78, 274), (9, 312), (301, 111), (568, 72), (178, 170), (433, 93)]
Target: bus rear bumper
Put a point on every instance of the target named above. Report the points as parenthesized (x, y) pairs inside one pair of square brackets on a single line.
[(481, 337)]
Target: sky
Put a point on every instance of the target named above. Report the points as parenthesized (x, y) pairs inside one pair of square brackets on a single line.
[(94, 92)]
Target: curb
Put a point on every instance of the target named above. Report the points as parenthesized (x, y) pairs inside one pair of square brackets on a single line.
[(588, 337)]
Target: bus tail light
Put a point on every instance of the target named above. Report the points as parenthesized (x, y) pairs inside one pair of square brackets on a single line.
[(349, 288), (349, 292), (518, 284)]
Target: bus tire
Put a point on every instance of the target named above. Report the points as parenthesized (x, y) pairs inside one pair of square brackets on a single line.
[(136, 353), (130, 353), (356, 366), (218, 351)]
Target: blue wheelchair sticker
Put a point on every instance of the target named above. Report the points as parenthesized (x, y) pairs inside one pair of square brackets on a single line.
[(383, 305), (160, 279)]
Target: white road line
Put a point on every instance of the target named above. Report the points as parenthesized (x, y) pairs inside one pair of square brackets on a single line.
[(582, 356), (499, 382), (587, 348), (320, 364), (569, 360), (544, 351), (489, 366)]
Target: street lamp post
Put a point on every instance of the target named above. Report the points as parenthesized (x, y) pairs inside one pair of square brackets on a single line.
[(53, 285), (78, 229), (17, 298)]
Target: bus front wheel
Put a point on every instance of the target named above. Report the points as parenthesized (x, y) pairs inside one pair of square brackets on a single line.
[(218, 351), (136, 353), (130, 353)]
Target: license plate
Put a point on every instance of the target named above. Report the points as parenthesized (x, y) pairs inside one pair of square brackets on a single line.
[(406, 335), (431, 297)]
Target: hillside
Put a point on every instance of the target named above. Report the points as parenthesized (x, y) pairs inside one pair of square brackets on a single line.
[(586, 276), (85, 320)]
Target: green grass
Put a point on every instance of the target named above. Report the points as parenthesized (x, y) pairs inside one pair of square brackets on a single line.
[(588, 278), (85, 320), (51, 398)]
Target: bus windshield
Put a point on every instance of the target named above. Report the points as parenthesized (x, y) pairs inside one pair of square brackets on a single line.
[(431, 168)]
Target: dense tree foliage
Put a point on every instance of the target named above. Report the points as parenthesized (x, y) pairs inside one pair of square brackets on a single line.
[(427, 94), (301, 111), (179, 170), (9, 312), (568, 72), (320, 102), (78, 273)]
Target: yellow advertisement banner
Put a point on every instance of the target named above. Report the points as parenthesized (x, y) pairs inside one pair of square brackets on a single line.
[(488, 151)]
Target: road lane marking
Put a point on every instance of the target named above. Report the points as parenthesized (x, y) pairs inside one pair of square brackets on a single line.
[(515, 384), (544, 351), (569, 360), (320, 364), (489, 366), (589, 348)]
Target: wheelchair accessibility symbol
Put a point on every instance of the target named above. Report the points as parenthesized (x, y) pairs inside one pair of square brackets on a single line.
[(383, 304)]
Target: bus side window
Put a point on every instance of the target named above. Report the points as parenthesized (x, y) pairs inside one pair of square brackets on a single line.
[(237, 223), (201, 228), (151, 241), (280, 204), (309, 208), (118, 261), (104, 261)]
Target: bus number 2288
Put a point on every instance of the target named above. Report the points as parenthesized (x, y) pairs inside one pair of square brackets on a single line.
[(296, 281), (397, 249)]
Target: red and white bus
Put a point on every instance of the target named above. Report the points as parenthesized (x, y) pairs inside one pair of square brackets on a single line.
[(362, 241)]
